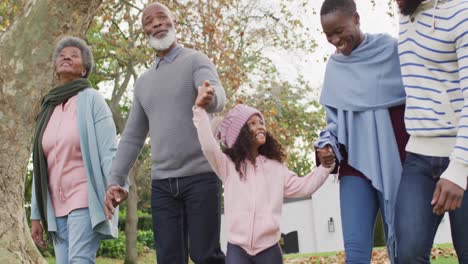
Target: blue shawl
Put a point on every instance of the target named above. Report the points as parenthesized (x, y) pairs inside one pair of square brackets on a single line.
[(358, 90), (369, 78)]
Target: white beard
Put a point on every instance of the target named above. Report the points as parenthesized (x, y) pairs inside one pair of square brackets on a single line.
[(164, 43)]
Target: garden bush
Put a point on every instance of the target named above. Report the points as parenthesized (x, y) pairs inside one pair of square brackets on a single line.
[(115, 248), (145, 237), (145, 221)]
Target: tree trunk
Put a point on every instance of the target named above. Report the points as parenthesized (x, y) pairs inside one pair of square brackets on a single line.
[(25, 76), (131, 221)]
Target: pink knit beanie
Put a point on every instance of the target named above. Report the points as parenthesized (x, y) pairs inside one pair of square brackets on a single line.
[(228, 130)]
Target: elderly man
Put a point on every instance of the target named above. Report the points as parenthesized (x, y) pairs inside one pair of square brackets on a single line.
[(433, 52), (185, 198)]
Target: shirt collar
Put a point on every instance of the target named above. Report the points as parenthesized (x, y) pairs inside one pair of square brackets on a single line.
[(170, 57)]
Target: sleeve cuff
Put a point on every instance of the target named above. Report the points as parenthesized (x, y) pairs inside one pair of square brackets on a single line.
[(197, 112), (35, 212), (35, 216), (457, 173), (327, 138), (117, 183), (126, 186)]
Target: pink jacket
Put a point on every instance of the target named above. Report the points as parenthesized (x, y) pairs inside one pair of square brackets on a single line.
[(253, 205)]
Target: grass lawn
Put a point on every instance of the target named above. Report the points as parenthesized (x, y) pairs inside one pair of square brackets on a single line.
[(442, 254)]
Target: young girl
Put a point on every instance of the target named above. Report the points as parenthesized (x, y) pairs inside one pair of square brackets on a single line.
[(255, 180)]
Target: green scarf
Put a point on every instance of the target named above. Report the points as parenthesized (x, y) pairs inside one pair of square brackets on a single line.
[(55, 97)]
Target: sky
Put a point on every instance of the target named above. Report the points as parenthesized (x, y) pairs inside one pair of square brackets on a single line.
[(312, 66)]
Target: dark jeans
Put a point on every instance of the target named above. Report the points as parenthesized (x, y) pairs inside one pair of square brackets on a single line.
[(415, 223), (187, 219), (237, 255)]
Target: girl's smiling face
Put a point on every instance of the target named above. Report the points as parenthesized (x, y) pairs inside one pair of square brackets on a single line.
[(257, 131)]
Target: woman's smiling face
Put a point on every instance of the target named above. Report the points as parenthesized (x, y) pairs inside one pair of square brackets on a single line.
[(70, 62), (342, 30)]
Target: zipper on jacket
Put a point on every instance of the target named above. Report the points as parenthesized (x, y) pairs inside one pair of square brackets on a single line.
[(254, 207)]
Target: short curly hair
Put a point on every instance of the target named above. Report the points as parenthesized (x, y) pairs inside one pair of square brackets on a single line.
[(86, 54), (330, 6)]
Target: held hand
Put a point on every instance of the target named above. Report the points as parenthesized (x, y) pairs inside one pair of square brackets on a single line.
[(37, 234), (205, 95), (447, 197), (326, 156), (114, 196)]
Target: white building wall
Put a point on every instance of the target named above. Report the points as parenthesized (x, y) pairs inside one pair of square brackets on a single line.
[(310, 218), (326, 205), (222, 237), (299, 216), (443, 234)]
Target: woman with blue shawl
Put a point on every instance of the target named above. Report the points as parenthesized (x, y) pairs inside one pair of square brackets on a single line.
[(364, 100)]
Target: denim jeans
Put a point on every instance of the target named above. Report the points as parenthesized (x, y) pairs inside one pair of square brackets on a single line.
[(237, 255), (187, 219), (80, 243), (359, 204), (416, 224)]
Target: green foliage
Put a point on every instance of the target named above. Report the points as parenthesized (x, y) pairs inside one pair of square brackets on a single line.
[(145, 221), (113, 248), (379, 233), (9, 9), (234, 35), (123, 213), (145, 237), (48, 251)]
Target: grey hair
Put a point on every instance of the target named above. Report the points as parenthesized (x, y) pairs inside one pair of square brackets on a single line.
[(86, 54)]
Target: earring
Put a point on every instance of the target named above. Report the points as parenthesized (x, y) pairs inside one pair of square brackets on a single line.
[(83, 73)]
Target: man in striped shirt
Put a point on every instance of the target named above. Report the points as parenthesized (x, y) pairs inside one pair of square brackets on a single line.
[(433, 50)]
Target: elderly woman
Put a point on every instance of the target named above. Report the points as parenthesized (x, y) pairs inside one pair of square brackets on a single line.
[(74, 143)]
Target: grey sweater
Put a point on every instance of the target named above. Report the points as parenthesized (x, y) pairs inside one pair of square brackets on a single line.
[(162, 105)]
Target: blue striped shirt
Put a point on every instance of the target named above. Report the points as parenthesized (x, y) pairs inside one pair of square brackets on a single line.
[(433, 50)]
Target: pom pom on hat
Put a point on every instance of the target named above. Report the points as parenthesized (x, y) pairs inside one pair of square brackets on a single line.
[(228, 130)]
